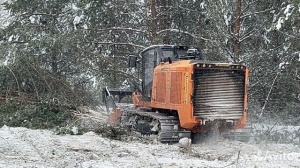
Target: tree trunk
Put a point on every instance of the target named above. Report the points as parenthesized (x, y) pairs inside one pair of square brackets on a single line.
[(236, 35), (165, 21), (153, 22), (54, 64)]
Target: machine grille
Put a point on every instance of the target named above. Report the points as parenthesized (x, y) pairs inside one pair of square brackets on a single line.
[(161, 87), (176, 87), (218, 94)]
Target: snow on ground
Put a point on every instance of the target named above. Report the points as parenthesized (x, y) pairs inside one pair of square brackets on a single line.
[(278, 133), (22, 147)]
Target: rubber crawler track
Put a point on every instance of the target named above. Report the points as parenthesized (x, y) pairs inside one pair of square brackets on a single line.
[(170, 131)]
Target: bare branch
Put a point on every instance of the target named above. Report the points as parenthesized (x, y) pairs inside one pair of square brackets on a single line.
[(111, 43), (182, 32), (107, 43), (247, 35), (268, 96), (119, 72), (15, 78), (187, 9), (250, 14), (118, 29)]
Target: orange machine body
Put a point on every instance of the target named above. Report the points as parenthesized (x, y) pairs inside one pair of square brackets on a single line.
[(173, 89)]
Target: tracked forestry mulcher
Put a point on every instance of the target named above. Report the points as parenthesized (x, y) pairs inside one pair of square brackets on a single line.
[(181, 94)]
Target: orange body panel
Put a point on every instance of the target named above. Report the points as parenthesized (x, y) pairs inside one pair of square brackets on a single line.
[(173, 90), (243, 121), (114, 117)]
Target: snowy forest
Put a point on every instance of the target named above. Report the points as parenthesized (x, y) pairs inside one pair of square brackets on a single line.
[(61, 53)]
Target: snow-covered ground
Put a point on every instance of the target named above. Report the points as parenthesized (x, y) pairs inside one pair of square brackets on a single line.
[(277, 133), (22, 147)]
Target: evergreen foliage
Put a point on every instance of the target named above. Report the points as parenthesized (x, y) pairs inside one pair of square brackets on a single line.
[(68, 50)]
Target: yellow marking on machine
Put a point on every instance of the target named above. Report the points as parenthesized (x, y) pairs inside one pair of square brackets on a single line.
[(165, 69), (186, 88)]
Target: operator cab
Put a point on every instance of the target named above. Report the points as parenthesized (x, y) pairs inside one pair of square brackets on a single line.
[(154, 55)]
